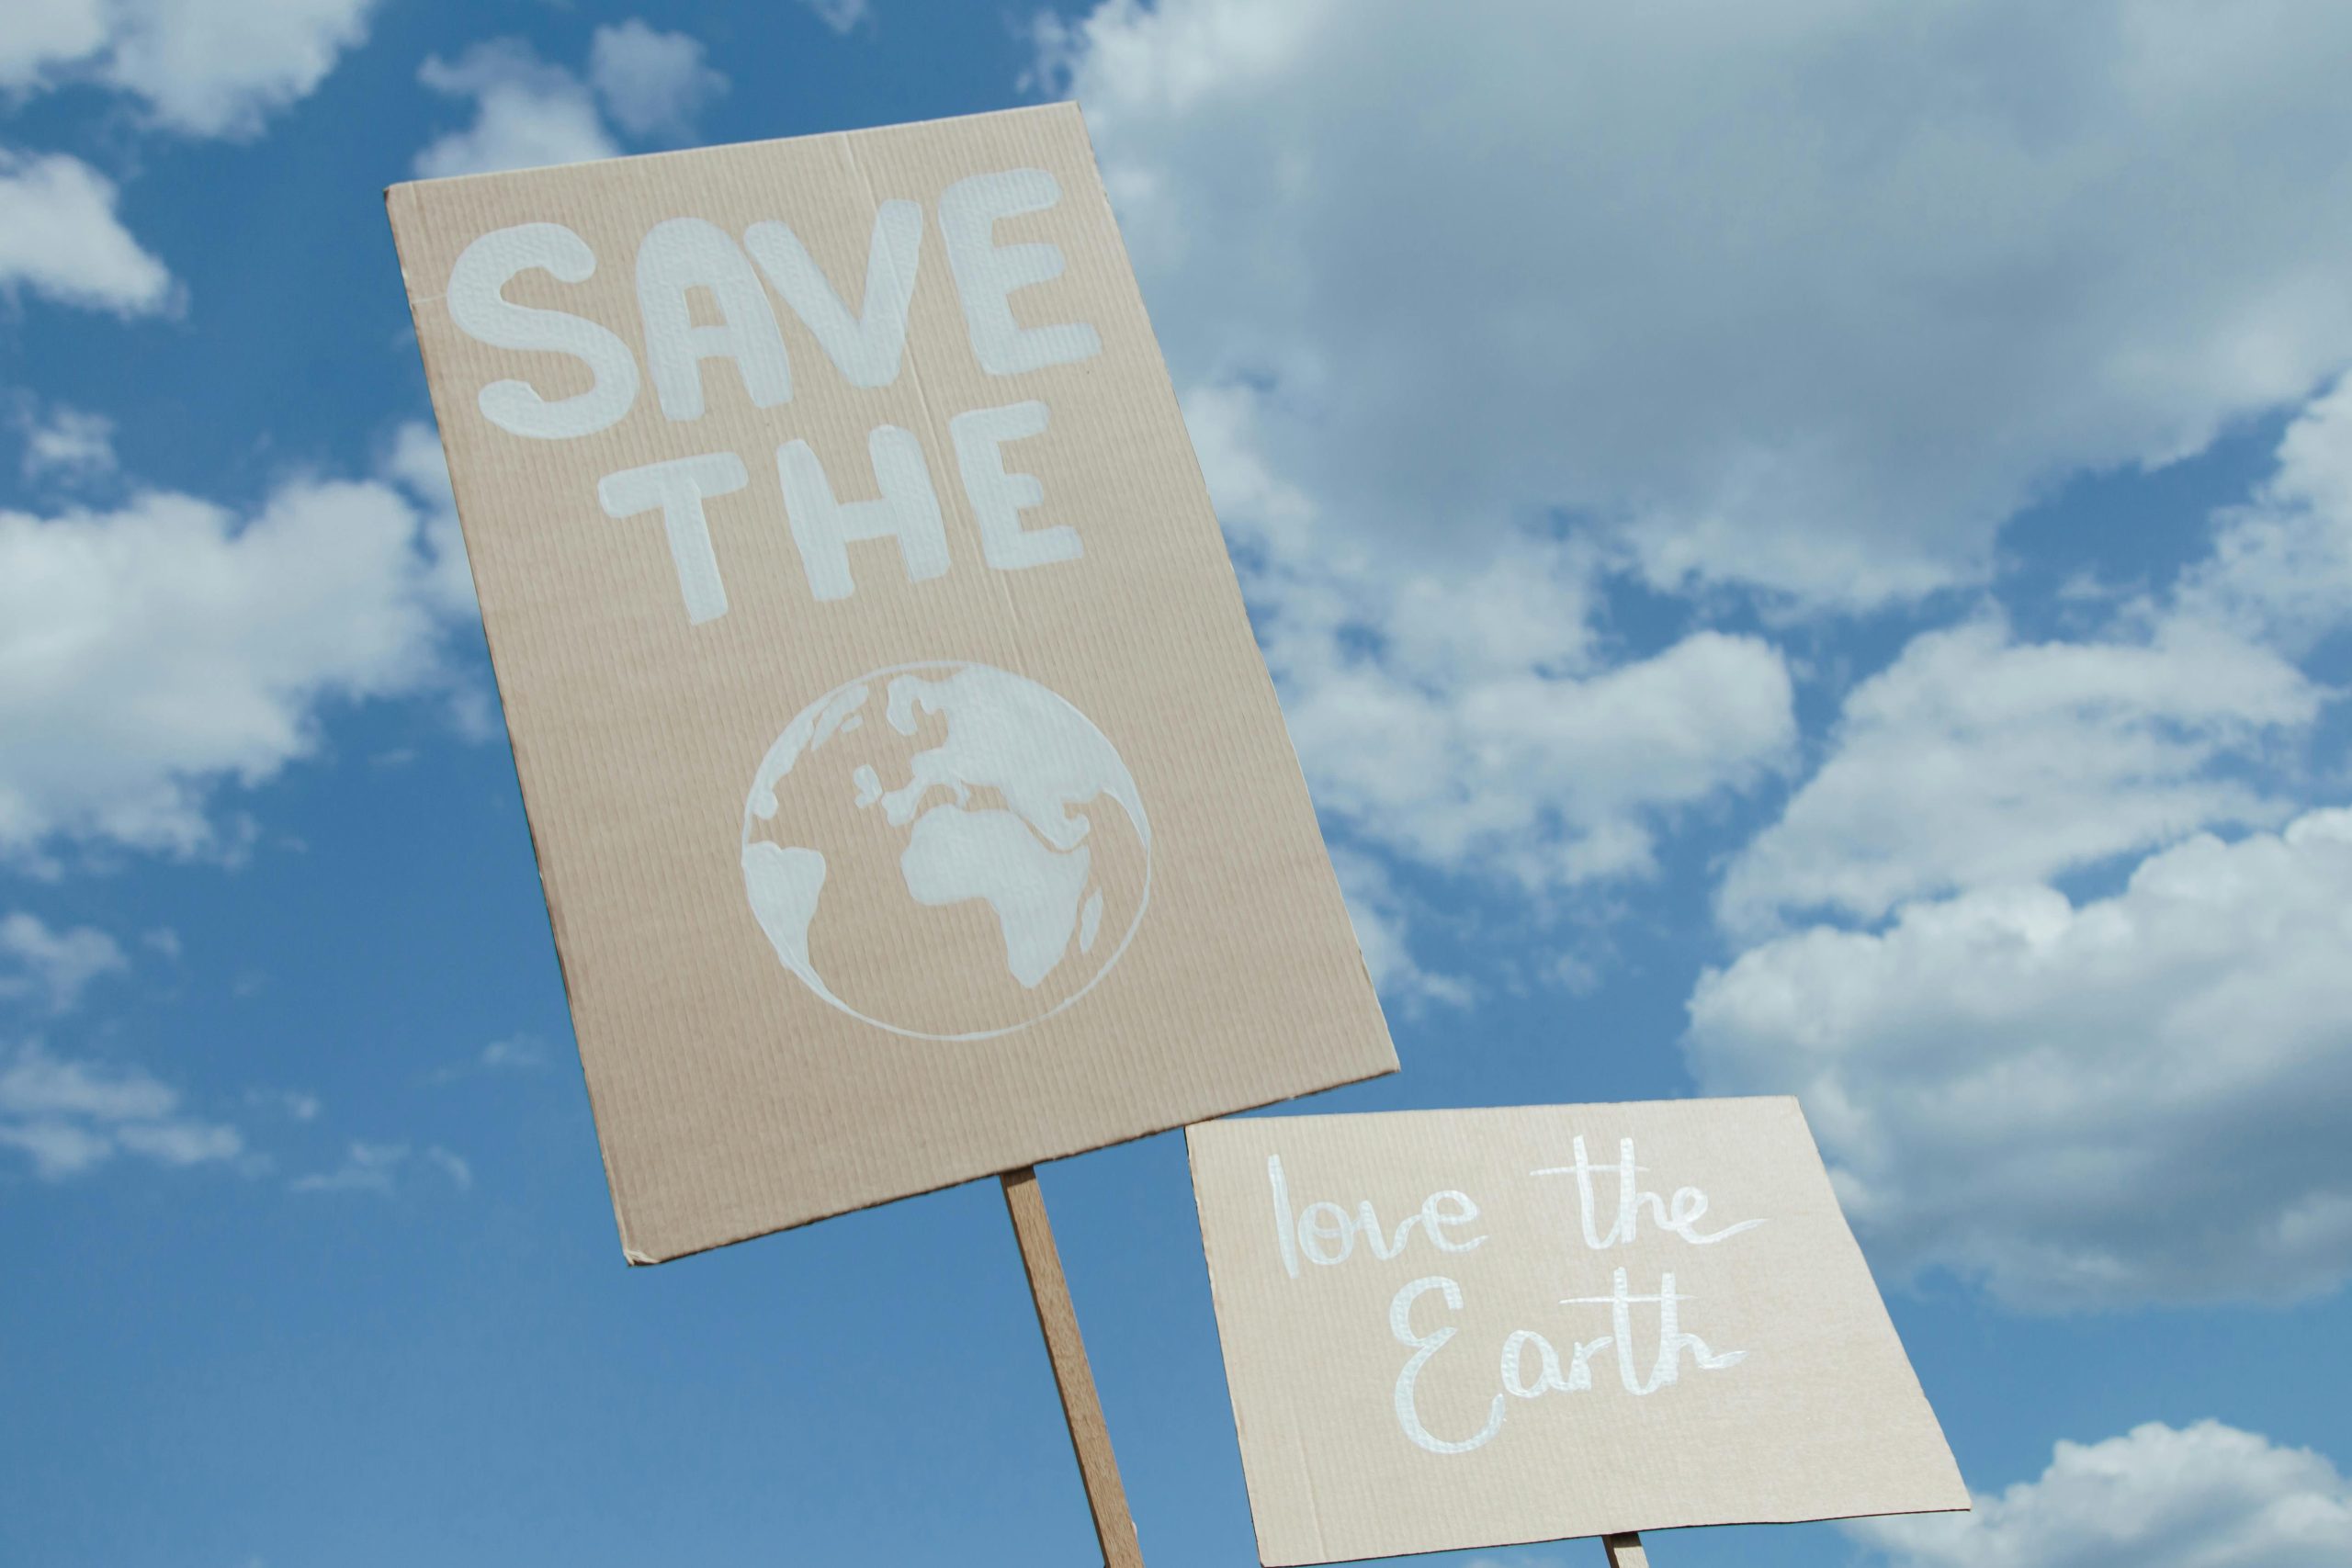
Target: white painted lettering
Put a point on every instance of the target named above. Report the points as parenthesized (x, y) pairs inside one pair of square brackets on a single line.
[(480, 308), (1680, 1215), (678, 255), (1313, 1233), (999, 498), (677, 488), (1671, 1340), (824, 528), (867, 348), (1400, 1323), (987, 274)]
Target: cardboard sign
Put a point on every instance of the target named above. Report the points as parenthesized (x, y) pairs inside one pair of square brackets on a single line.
[(911, 798), (1459, 1328)]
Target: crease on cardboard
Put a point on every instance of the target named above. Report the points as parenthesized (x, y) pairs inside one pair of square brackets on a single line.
[(931, 422)]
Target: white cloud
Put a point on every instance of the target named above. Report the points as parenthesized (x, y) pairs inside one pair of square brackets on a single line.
[(1978, 759), (54, 966), (528, 113), (201, 67), (379, 1168), (1462, 712), (2204, 1497), (2282, 565), (151, 652), (219, 67), (70, 1117), (653, 83), (62, 442), (840, 15), (2139, 1097), (61, 239), (1811, 295), (44, 34)]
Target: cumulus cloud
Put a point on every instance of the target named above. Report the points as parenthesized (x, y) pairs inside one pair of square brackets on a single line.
[(200, 67), (2140, 1097), (61, 239), (1810, 296), (653, 83), (2204, 1497), (528, 112), (68, 1117), (55, 966), (1978, 759), (156, 651), (1463, 712), (2281, 569), (1810, 301)]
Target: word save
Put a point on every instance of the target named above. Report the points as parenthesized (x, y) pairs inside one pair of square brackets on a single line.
[(680, 256)]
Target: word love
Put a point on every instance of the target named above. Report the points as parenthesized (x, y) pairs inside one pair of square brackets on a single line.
[(1680, 1215), (1665, 1369), (681, 257), (1324, 1233)]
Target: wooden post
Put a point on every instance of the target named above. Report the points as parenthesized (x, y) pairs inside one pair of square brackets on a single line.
[(1089, 1434), (1625, 1551)]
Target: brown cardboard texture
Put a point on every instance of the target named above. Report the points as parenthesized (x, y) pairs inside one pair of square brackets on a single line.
[(1466, 1328), (909, 797)]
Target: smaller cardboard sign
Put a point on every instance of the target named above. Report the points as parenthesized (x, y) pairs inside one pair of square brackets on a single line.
[(1465, 1328)]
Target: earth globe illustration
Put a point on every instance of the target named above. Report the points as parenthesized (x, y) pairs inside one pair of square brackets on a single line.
[(945, 850)]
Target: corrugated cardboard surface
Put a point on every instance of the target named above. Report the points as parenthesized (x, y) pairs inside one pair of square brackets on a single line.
[(1820, 1418), (732, 1098)]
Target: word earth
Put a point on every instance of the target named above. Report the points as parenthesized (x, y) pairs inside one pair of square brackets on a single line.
[(1665, 1370), (1324, 1234)]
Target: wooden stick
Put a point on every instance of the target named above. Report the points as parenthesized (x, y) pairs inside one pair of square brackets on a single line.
[(1114, 1527), (1625, 1551)]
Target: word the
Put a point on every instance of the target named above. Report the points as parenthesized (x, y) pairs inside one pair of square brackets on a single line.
[(681, 255), (1324, 1234), (1549, 1378), (1680, 1215)]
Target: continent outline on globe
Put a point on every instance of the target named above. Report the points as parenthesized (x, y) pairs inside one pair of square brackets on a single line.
[(1028, 861)]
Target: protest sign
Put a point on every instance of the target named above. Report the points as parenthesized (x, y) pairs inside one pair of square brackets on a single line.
[(911, 799), (1463, 1328)]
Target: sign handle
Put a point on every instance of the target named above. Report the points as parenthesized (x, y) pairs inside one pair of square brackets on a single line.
[(1625, 1551), (1114, 1527)]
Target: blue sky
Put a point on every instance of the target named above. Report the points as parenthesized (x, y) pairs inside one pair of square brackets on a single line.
[(1805, 550)]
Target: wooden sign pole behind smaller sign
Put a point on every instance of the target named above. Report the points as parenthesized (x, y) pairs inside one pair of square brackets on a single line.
[(1625, 1551), (1098, 1467)]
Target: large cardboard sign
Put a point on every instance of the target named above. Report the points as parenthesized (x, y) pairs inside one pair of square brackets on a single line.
[(1459, 1328), (911, 798)]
